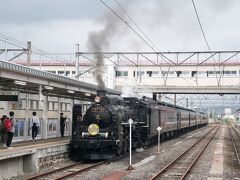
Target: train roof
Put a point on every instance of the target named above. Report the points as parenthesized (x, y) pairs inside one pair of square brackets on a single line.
[(148, 101)]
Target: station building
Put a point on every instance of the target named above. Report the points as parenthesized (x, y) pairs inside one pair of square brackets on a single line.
[(127, 77)]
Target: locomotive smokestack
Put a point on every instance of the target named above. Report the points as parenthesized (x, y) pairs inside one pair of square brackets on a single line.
[(101, 93)]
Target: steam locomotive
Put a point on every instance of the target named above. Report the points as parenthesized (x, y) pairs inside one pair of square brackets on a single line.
[(103, 132)]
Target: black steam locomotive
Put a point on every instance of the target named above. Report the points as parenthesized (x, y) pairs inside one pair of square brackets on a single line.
[(103, 132)]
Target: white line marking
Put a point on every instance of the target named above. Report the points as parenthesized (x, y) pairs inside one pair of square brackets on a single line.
[(144, 161), (177, 143)]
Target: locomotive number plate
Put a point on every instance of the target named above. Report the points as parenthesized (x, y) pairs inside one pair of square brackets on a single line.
[(99, 109)]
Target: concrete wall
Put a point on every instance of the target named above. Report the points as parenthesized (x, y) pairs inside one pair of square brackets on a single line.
[(15, 167)]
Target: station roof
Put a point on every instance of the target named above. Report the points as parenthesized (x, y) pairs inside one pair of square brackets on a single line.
[(62, 86)]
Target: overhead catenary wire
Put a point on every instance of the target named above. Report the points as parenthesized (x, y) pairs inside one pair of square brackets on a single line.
[(148, 44), (207, 44)]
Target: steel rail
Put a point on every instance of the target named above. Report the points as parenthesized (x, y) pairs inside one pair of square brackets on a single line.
[(181, 155), (81, 170), (51, 172), (199, 154), (234, 143)]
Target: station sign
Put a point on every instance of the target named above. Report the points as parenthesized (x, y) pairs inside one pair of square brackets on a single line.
[(8, 97)]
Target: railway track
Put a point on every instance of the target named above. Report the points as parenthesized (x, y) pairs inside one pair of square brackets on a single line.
[(180, 166), (235, 138), (67, 171)]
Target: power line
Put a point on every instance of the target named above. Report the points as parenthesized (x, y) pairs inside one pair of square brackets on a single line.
[(204, 36), (140, 35), (205, 39), (146, 36)]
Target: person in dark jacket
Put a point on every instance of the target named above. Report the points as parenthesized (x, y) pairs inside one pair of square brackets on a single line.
[(62, 124)]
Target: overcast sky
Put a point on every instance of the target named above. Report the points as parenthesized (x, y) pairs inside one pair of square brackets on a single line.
[(57, 25)]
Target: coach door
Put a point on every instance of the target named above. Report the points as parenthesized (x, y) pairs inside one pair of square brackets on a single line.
[(178, 120)]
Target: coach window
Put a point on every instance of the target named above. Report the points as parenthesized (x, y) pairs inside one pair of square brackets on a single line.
[(194, 73), (152, 73), (61, 72), (213, 73), (179, 73), (230, 73), (121, 73), (142, 114), (67, 73)]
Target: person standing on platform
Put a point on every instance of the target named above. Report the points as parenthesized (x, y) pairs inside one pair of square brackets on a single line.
[(3, 133), (62, 124), (35, 125), (12, 130)]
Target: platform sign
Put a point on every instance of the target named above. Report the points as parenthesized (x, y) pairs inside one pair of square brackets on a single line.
[(8, 97)]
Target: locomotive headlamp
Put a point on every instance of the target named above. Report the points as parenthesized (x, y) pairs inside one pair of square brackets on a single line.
[(93, 129), (97, 99)]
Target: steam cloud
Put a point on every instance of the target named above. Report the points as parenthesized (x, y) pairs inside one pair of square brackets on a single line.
[(99, 40)]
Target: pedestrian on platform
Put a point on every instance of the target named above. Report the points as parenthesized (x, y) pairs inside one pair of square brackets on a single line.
[(3, 133), (35, 125), (12, 130), (62, 124)]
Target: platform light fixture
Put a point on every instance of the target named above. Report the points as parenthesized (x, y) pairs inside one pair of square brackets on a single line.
[(48, 87), (87, 94), (70, 91), (20, 83)]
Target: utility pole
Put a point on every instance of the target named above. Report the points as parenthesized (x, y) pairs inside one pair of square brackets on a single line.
[(29, 52), (77, 61)]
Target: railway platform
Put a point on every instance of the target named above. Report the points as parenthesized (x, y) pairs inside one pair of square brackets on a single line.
[(24, 157)]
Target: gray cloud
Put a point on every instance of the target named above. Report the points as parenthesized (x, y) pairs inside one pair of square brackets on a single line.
[(57, 25), (27, 11)]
